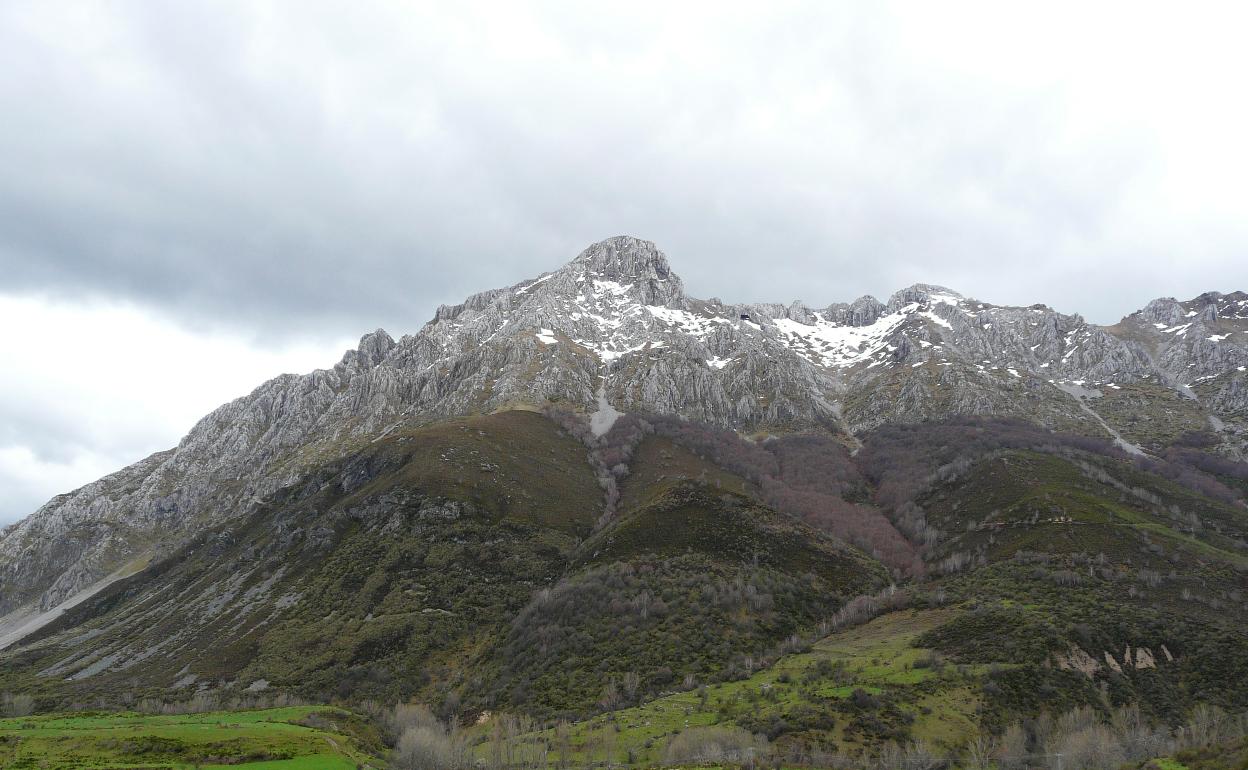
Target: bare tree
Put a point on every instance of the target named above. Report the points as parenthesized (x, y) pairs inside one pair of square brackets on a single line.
[(610, 698), (563, 741), (1011, 749), (424, 742), (20, 705), (980, 753), (631, 683)]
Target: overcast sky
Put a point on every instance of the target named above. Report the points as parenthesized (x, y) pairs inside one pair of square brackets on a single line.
[(197, 196)]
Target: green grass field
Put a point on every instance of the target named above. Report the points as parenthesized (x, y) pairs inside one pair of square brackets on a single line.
[(295, 738)]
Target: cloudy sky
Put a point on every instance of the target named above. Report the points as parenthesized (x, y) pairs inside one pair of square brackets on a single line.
[(197, 196)]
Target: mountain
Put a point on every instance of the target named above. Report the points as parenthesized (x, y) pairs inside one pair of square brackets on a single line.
[(616, 322), (590, 488)]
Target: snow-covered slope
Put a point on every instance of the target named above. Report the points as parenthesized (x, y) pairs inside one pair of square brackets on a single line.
[(616, 323)]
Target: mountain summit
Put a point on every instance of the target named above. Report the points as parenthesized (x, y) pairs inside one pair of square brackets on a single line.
[(633, 263), (615, 326)]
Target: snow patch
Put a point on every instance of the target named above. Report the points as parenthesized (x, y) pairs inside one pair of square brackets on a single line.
[(945, 299), (604, 289), (607, 355), (689, 323), (601, 421), (830, 344), (1075, 389), (535, 283)]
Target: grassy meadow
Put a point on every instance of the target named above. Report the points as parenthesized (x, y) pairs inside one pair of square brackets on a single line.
[(295, 738)]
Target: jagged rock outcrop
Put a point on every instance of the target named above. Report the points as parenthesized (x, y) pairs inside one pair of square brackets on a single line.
[(616, 320)]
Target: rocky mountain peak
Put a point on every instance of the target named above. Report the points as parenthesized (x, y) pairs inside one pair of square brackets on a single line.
[(863, 311), (1164, 310), (372, 349), (633, 263), (1213, 305), (923, 293), (1207, 308)]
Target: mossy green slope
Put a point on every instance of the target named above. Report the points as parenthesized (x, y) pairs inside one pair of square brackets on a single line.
[(692, 581), (415, 568), (373, 577), (465, 565), (1039, 502), (1105, 584), (848, 692), (1057, 579)]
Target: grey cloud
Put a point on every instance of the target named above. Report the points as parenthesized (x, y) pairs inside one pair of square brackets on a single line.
[(311, 169), (19, 501), (49, 435), (306, 172)]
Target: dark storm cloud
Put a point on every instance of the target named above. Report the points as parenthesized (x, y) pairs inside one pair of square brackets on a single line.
[(319, 168)]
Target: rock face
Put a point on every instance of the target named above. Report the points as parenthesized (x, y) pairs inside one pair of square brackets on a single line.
[(616, 320)]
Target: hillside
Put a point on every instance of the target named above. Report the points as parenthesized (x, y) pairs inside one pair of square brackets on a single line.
[(1061, 576), (449, 563), (468, 564)]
